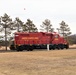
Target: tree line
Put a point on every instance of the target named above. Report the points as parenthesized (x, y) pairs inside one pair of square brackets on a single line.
[(7, 25)]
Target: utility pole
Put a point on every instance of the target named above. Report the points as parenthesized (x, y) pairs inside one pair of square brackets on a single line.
[(47, 39)]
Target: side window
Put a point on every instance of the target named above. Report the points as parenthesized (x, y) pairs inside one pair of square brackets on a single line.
[(16, 35), (56, 36)]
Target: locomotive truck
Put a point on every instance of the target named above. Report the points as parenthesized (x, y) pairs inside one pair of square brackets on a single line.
[(38, 40)]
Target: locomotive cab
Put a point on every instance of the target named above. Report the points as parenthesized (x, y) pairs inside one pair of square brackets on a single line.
[(59, 42)]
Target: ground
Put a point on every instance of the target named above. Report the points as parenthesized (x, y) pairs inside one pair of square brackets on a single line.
[(53, 62)]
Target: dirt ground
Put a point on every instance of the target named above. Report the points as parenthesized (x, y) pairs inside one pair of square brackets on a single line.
[(53, 62)]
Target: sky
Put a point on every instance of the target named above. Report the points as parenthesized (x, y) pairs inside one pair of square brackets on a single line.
[(39, 10)]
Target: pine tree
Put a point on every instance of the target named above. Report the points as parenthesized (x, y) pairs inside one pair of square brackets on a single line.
[(18, 24), (64, 29), (6, 26), (46, 26), (29, 26)]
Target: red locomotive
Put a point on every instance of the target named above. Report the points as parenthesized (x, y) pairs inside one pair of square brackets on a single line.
[(38, 40)]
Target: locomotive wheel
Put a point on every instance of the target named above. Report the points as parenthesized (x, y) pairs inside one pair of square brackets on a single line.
[(19, 48), (66, 46), (54, 47), (57, 47), (12, 47), (31, 49), (27, 48), (62, 46)]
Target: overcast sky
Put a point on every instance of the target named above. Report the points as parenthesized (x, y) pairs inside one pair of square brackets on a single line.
[(39, 10)]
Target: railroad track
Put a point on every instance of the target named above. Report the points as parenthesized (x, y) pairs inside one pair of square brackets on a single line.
[(5, 51)]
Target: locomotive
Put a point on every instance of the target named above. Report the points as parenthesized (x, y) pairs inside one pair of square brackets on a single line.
[(38, 40)]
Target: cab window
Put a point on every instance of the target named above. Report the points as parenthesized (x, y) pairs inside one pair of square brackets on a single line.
[(56, 36)]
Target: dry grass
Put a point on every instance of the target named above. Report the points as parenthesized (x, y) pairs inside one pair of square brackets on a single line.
[(54, 62), (73, 46), (3, 48)]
